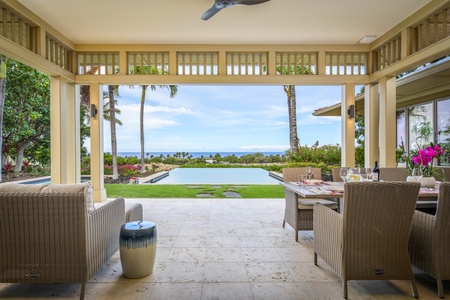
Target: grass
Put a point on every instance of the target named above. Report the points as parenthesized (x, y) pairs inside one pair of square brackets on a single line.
[(191, 191)]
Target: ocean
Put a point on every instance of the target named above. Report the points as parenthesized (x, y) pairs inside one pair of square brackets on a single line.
[(195, 154)]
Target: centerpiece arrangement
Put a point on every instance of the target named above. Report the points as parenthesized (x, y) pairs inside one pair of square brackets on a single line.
[(420, 163)]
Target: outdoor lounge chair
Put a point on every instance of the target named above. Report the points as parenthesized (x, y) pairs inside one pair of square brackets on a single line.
[(298, 213), (429, 244), (369, 241), (53, 234)]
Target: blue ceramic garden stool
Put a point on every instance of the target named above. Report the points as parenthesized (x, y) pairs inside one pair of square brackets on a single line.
[(137, 248)]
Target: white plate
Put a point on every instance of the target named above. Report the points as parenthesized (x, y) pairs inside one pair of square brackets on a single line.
[(336, 188)]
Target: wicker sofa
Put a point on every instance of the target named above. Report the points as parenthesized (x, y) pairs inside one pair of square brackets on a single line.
[(53, 234)]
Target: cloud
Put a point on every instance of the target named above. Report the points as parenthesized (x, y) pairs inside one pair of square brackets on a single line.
[(222, 118)]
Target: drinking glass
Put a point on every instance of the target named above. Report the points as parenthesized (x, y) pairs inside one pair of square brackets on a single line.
[(302, 178), (369, 173), (309, 172), (354, 174), (343, 173)]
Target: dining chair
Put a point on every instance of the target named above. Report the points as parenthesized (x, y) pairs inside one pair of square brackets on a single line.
[(429, 243), (298, 212), (393, 174), (442, 174), (335, 172), (369, 241)]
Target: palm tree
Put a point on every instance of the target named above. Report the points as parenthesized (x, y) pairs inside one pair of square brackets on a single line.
[(292, 103), (173, 91), (292, 112), (2, 102), (110, 115)]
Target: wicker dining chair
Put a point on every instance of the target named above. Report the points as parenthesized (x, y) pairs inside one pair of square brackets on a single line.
[(298, 212), (393, 174), (369, 241), (429, 244)]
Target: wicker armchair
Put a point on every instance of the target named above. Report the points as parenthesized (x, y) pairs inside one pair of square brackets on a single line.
[(54, 237), (393, 174), (429, 244), (369, 241), (298, 213)]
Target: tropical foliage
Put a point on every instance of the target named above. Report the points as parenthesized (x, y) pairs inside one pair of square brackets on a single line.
[(26, 117)]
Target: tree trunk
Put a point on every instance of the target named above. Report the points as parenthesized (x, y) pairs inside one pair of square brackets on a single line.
[(112, 124), (144, 89), (19, 158), (2, 102), (292, 112)]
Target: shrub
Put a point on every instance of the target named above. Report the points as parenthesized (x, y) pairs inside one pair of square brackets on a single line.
[(128, 170)]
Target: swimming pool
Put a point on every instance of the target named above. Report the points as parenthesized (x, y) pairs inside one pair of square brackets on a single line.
[(45, 180), (218, 176)]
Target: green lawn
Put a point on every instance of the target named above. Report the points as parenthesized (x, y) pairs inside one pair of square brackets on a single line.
[(191, 191)]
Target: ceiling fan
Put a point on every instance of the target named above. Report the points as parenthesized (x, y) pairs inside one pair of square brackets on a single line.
[(221, 4)]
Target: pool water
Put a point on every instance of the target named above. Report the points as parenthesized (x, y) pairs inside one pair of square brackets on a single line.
[(218, 176)]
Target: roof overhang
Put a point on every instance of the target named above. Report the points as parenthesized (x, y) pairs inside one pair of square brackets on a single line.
[(432, 81)]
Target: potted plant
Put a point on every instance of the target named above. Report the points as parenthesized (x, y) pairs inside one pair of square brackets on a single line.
[(423, 160)]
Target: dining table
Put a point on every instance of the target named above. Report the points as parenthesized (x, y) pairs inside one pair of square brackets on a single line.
[(330, 190)]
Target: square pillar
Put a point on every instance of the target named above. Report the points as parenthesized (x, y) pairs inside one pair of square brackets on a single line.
[(371, 124), (97, 163), (64, 132), (347, 126), (388, 124)]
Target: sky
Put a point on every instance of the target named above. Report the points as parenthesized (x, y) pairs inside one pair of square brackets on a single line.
[(223, 119)]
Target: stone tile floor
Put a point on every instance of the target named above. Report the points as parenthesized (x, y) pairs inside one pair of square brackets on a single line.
[(224, 249)]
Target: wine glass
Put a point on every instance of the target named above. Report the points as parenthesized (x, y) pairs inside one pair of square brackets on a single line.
[(343, 173), (309, 172)]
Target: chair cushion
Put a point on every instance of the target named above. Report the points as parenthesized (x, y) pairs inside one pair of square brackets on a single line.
[(12, 187), (85, 187), (309, 203)]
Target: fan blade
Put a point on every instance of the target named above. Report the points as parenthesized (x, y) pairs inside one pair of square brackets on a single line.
[(211, 12), (252, 2)]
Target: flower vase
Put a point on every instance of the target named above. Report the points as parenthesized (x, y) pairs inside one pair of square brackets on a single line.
[(428, 182), (411, 178)]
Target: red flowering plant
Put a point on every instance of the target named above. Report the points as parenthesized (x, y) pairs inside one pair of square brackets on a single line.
[(424, 159)]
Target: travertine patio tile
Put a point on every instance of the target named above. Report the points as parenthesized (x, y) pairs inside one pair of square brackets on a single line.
[(308, 272), (256, 255), (178, 272), (187, 255), (296, 254), (229, 291), (225, 272), (176, 291), (256, 242), (224, 255), (120, 290), (268, 272), (225, 249), (166, 241)]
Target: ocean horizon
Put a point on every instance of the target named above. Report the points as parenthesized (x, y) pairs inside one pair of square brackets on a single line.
[(197, 154)]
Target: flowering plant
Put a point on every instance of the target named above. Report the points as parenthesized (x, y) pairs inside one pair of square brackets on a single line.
[(424, 158)]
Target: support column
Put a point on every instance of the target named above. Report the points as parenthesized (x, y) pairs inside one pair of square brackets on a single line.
[(371, 123), (64, 132), (348, 126), (388, 134), (97, 164)]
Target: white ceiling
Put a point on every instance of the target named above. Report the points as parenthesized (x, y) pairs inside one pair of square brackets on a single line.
[(178, 21)]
